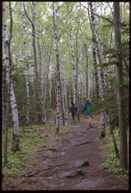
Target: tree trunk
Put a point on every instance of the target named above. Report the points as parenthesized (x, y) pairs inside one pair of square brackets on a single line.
[(119, 79), (35, 56), (57, 67), (91, 18), (77, 60), (27, 65), (62, 109), (114, 142), (7, 42), (73, 66), (102, 85), (87, 66)]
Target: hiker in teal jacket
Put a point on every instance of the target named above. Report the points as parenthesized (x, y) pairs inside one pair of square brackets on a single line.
[(87, 111)]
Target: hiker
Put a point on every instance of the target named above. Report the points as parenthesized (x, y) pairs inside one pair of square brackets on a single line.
[(55, 105), (73, 110), (88, 113)]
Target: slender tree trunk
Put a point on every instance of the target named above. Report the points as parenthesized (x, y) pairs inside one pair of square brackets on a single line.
[(35, 55), (15, 142), (119, 79), (91, 18), (34, 42), (73, 65), (57, 67), (102, 85), (7, 42), (51, 79), (62, 109), (27, 65), (87, 66), (114, 142), (77, 60), (47, 62)]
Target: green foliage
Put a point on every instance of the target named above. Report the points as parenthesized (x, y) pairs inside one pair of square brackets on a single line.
[(111, 162), (16, 162), (64, 130)]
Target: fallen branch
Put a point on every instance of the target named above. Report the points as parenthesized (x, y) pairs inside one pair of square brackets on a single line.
[(83, 143), (48, 149), (39, 171), (37, 135)]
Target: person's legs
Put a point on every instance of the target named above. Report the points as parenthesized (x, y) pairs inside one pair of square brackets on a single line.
[(90, 120), (72, 116)]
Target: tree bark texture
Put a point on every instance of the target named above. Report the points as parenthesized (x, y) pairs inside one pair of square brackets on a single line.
[(91, 18), (57, 67), (73, 66), (27, 64), (7, 43), (87, 67), (119, 79)]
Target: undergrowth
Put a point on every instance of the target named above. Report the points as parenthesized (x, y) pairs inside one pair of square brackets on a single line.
[(21, 160), (111, 162), (25, 158)]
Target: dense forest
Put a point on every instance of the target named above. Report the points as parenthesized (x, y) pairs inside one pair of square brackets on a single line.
[(63, 52)]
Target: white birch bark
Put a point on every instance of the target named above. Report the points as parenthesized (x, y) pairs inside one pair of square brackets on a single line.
[(87, 67), (91, 19), (7, 42), (50, 89), (27, 64), (34, 42), (122, 7), (73, 66), (57, 67), (100, 88), (96, 24)]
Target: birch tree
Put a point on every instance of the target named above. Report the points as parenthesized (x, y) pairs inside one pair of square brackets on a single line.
[(91, 19), (87, 65), (33, 23), (7, 44), (57, 66), (6, 115), (27, 64)]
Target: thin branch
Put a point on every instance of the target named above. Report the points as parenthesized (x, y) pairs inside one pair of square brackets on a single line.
[(11, 22), (97, 14), (110, 7), (28, 17)]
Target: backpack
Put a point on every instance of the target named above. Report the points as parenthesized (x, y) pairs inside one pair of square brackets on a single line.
[(73, 109)]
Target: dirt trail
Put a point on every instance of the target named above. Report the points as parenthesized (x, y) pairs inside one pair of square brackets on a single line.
[(73, 163)]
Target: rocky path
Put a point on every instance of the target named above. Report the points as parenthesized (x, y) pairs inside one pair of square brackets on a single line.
[(72, 163)]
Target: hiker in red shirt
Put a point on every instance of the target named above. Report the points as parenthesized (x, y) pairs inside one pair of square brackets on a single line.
[(56, 105)]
